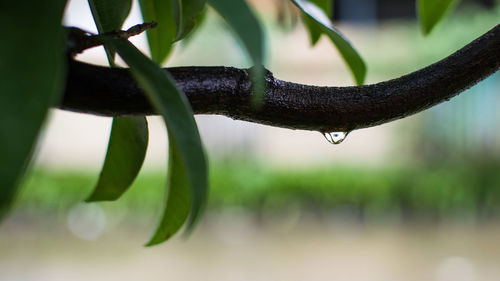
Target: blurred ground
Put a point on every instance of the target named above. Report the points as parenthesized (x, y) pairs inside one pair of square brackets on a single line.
[(237, 248)]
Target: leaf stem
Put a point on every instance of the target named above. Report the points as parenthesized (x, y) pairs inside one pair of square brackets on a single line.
[(79, 40)]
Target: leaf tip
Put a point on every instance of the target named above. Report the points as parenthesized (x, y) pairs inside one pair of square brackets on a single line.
[(360, 74), (426, 28), (98, 196), (194, 218), (158, 239), (91, 198)]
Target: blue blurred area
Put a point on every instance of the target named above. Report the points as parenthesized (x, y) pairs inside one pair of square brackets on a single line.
[(465, 127)]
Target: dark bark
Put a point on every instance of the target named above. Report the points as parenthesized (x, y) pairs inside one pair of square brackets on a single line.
[(227, 91)]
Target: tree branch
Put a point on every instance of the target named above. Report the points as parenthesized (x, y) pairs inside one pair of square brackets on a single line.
[(227, 91)]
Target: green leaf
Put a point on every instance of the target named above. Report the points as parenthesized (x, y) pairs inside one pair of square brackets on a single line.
[(126, 151), (247, 28), (349, 54), (176, 203), (129, 136), (32, 68), (245, 25), (161, 37), (109, 15), (198, 22), (190, 11), (314, 28), (184, 138), (430, 12), (177, 12)]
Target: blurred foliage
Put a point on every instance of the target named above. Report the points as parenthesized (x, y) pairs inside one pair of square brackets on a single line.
[(430, 12), (467, 190), (413, 50)]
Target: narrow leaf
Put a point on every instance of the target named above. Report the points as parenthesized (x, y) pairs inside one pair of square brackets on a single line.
[(247, 28), (109, 15), (176, 204), (177, 13), (128, 140), (190, 11), (349, 54), (430, 12), (184, 138), (315, 30), (245, 25), (127, 147), (198, 22), (161, 37), (32, 69)]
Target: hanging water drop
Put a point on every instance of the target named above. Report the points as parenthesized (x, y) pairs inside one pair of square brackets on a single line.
[(335, 137)]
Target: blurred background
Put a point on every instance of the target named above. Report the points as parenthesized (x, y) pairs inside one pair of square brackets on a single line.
[(416, 199)]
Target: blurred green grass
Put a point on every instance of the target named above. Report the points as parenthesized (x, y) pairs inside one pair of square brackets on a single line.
[(468, 190)]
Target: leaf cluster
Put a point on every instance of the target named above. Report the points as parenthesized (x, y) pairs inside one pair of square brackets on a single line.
[(33, 71)]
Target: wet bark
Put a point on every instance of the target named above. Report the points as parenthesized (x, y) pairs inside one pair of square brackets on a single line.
[(227, 91)]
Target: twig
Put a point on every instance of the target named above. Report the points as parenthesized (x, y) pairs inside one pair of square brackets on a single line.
[(80, 40)]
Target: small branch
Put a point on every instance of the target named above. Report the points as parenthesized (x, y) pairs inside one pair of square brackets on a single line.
[(80, 40), (227, 91)]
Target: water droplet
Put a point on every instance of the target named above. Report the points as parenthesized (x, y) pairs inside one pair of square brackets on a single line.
[(335, 137)]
